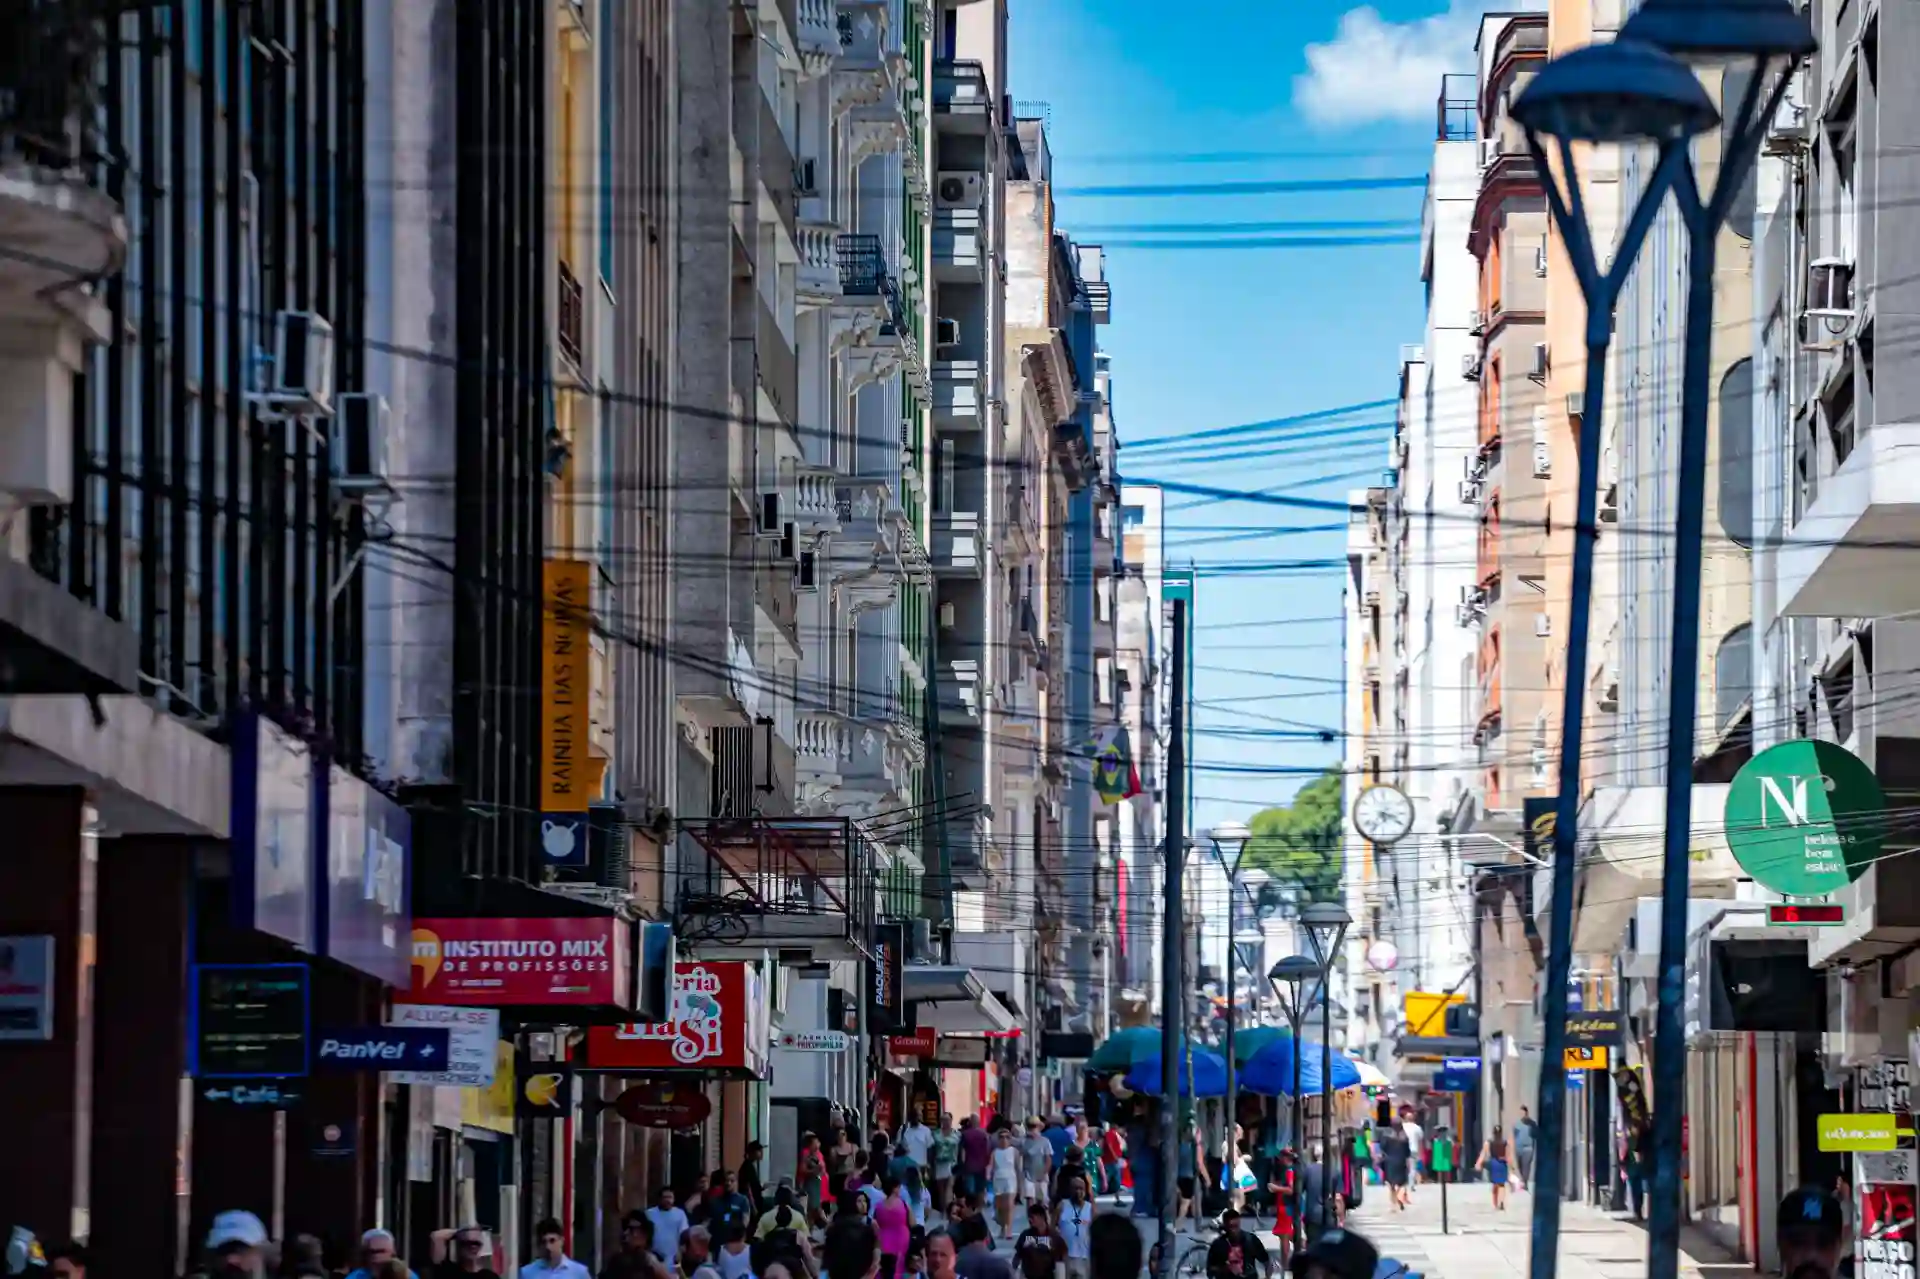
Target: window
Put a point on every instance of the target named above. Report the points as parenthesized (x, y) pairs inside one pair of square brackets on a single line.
[(1133, 516), (1736, 453), (1732, 675)]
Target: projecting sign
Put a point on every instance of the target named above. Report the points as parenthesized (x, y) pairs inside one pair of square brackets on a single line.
[(381, 1048), (1593, 1029), (249, 1021), (815, 1041), (26, 988), (473, 1035), (1857, 1132), (1805, 818)]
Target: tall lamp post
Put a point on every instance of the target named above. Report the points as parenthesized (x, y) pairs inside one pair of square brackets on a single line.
[(1229, 844), (1570, 100), (1633, 95), (1288, 976), (1326, 925)]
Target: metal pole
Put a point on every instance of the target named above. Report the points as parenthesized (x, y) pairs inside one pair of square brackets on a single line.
[(1173, 930), (1326, 1070), (1228, 1145), (1299, 1148), (1600, 292)]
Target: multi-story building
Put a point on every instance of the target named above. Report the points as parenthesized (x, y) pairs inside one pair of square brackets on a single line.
[(1142, 654), (1371, 719)]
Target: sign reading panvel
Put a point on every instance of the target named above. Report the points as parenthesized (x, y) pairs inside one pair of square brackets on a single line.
[(1805, 818)]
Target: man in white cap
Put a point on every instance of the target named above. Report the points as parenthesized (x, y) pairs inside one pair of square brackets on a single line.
[(376, 1249), (236, 1245)]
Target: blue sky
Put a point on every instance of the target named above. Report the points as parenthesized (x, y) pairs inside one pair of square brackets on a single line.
[(1207, 338)]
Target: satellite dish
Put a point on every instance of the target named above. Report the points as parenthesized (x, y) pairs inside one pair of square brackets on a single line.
[(1383, 956)]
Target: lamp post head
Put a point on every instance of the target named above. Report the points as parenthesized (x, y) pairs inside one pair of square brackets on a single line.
[(1294, 970), (1617, 91), (1326, 923), (1711, 30), (1229, 839)]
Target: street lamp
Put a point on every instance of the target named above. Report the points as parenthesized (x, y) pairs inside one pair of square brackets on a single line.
[(1326, 925), (1229, 843), (1288, 976), (1578, 97), (1769, 37), (1622, 92)]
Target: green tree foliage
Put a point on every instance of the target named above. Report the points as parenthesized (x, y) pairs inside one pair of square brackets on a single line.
[(1302, 842)]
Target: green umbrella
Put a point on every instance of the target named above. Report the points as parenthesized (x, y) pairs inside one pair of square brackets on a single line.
[(1251, 1040), (1123, 1048)]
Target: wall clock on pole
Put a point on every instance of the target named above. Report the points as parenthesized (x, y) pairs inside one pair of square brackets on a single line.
[(1383, 814)]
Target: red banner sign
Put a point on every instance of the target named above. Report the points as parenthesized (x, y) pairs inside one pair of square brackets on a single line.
[(920, 1043), (719, 1024), (505, 963)]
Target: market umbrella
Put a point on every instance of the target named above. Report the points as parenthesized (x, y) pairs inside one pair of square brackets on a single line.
[(1371, 1076), (1270, 1070), (1251, 1040), (1201, 1073), (1122, 1049)]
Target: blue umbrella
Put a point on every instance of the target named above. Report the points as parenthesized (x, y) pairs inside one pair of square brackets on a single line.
[(1207, 1070), (1270, 1071)]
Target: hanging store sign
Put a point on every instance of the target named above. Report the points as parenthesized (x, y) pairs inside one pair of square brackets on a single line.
[(26, 988), (886, 1003), (966, 1053), (545, 1089), (921, 1043), (249, 1021), (1585, 1059), (1632, 1091), (1805, 818), (499, 963), (568, 777), (1883, 1246), (1593, 1029), (368, 846), (664, 1104), (272, 831), (719, 1024), (1855, 1133), (815, 1041), (471, 1036)]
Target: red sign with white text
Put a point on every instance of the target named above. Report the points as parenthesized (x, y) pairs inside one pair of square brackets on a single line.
[(920, 1043), (719, 1023), (506, 963)]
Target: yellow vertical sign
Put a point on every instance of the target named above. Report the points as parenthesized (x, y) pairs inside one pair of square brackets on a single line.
[(567, 778)]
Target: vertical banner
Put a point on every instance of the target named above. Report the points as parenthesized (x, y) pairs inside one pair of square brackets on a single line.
[(886, 1003), (1883, 1245), (567, 777)]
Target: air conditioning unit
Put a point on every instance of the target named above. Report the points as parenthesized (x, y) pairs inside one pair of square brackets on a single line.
[(1543, 624), (946, 332), (1538, 370), (806, 572), (1540, 259), (770, 524), (300, 383), (1542, 460), (959, 190), (1470, 492), (1465, 615), (1830, 289), (1787, 132), (1476, 323), (1490, 150), (359, 445), (1576, 404), (805, 184), (948, 616), (1470, 366)]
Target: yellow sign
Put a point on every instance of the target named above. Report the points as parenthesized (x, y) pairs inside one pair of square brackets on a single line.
[(566, 776), (1858, 1132), (1427, 1011), (491, 1107), (1586, 1059)]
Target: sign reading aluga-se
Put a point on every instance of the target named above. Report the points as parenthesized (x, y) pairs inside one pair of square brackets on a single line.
[(1805, 818)]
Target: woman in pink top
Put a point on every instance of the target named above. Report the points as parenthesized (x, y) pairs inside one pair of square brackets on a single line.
[(893, 1222)]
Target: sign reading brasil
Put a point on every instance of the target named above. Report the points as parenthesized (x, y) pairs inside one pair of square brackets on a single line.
[(1805, 818)]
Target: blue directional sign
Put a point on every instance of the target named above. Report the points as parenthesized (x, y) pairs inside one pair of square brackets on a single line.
[(381, 1048), (1462, 1065), (1455, 1081)]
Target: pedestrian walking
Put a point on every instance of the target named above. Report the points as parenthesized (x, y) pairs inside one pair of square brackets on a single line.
[(917, 1140), (1006, 1182), (840, 1157), (893, 1221), (1073, 1219), (1115, 1247), (1036, 1163), (376, 1250), (1525, 1142), (669, 1223), (550, 1259), (462, 1254), (1113, 1158), (1810, 1231), (749, 1182), (945, 1156), (942, 1254), (811, 1176), (1396, 1166), (1338, 1254), (976, 1153), (1493, 1158), (1039, 1250), (236, 1246), (634, 1259)]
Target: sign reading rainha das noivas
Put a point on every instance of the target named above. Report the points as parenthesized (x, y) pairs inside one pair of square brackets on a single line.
[(1805, 818)]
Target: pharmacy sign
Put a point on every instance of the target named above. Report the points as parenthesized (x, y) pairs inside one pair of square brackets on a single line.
[(1805, 818)]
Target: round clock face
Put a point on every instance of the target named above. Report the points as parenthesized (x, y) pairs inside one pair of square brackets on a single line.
[(1383, 814)]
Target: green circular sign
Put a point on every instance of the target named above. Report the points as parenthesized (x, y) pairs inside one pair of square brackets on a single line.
[(1805, 818)]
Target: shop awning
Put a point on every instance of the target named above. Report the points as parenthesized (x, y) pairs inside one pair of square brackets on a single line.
[(953, 1001), (1436, 1046), (1621, 832)]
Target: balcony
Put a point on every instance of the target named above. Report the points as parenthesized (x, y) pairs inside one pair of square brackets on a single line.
[(960, 692), (875, 545), (970, 856), (959, 395), (822, 742), (817, 280), (747, 885), (57, 234), (774, 164), (1020, 530), (814, 505), (871, 82), (959, 549), (817, 32), (962, 99), (1844, 556), (775, 362), (960, 243)]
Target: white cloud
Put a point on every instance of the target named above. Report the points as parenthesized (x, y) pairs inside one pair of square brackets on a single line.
[(1374, 70)]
